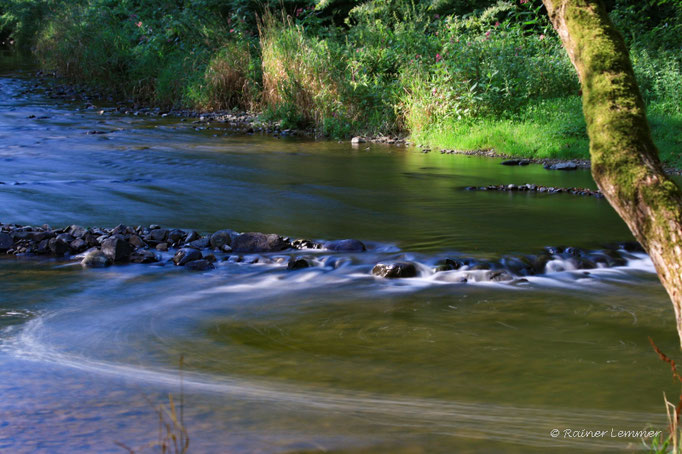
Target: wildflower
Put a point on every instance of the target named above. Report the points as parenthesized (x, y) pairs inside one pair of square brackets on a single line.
[(436, 16), (542, 37), (487, 33), (139, 24), (232, 30), (523, 1), (299, 11), (438, 58), (434, 91), (497, 24)]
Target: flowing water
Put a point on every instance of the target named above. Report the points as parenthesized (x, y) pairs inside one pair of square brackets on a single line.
[(325, 359)]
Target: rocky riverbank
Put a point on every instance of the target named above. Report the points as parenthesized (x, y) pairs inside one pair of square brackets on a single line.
[(538, 189), (155, 245)]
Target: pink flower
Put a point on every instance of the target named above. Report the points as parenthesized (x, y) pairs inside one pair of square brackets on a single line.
[(438, 58), (139, 24), (523, 1), (232, 30), (542, 37), (487, 33), (436, 16), (497, 24)]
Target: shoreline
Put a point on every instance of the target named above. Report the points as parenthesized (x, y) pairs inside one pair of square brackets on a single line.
[(249, 123)]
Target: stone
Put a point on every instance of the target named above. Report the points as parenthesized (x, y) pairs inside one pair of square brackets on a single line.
[(211, 258), (345, 246), (144, 256), (357, 140), (175, 236), (202, 243), (163, 247), (570, 165), (158, 235), (259, 242), (77, 231), (96, 259), (515, 162), (186, 255), (6, 241), (78, 245), (136, 242), (65, 237), (58, 247), (199, 265), (500, 276), (192, 236), (116, 248), (222, 238), (297, 264), (395, 270)]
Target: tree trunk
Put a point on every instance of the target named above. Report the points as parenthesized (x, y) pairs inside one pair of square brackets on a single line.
[(625, 163)]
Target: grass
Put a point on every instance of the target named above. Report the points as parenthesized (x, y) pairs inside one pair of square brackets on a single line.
[(548, 129)]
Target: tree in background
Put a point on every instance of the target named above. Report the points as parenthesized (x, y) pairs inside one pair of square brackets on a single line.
[(625, 163)]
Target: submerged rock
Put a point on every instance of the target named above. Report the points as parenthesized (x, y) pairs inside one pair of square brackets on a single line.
[(259, 242), (96, 259), (395, 270), (345, 246), (199, 265), (297, 264)]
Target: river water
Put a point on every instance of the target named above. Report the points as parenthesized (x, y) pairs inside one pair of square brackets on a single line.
[(326, 359)]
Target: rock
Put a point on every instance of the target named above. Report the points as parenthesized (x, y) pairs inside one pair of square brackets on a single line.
[(162, 247), (6, 241), (77, 231), (192, 236), (345, 246), (259, 242), (297, 264), (448, 265), (570, 165), (357, 140), (96, 259), (305, 244), (65, 237), (58, 247), (78, 245), (43, 247), (137, 242), (175, 236), (203, 243), (211, 258), (186, 255), (158, 235), (199, 265), (500, 276), (222, 238), (143, 256), (395, 270), (116, 248), (515, 162)]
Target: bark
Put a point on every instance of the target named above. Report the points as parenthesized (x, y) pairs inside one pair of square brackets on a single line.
[(625, 163)]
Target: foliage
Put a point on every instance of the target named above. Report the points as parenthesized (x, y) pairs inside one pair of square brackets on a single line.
[(342, 66)]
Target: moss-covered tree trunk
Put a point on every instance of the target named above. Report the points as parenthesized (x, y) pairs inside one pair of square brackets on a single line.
[(625, 163)]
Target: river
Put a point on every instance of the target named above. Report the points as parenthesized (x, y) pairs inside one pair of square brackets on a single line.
[(325, 359)]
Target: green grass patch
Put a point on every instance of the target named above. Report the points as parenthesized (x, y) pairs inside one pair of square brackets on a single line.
[(547, 129)]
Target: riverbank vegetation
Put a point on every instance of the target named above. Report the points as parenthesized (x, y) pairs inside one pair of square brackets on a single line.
[(465, 74)]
